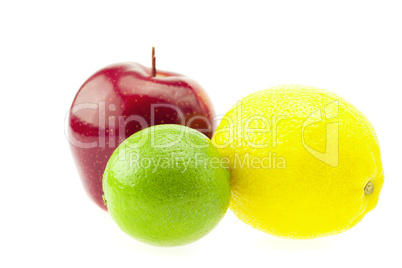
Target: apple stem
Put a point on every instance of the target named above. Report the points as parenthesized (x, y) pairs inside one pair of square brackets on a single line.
[(153, 62)]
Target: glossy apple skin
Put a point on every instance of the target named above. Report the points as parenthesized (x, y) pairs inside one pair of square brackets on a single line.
[(116, 102)]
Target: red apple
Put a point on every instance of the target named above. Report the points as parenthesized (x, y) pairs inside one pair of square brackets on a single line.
[(121, 99)]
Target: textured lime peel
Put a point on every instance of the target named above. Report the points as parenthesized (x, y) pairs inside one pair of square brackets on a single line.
[(169, 191)]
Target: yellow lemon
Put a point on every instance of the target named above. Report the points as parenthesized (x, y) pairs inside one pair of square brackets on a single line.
[(304, 163)]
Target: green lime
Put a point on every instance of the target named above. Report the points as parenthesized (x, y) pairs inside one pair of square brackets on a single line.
[(167, 185)]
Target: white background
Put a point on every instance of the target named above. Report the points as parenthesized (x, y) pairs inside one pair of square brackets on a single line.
[(49, 48)]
